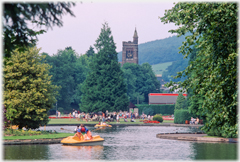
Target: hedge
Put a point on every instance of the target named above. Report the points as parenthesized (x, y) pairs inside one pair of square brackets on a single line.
[(158, 109), (180, 116)]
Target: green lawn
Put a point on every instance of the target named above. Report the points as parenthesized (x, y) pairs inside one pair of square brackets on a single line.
[(43, 136), (159, 68), (73, 121)]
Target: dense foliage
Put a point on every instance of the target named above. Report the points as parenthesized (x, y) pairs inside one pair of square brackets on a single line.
[(180, 116), (20, 19), (28, 91), (195, 101), (104, 88), (213, 28), (158, 109), (140, 81), (69, 72), (159, 51)]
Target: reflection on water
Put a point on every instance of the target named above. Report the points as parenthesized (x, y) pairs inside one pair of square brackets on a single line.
[(126, 143), (215, 151), (28, 152)]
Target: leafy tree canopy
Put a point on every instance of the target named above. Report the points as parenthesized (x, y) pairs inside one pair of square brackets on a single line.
[(18, 18), (140, 81), (213, 28), (28, 91), (69, 72)]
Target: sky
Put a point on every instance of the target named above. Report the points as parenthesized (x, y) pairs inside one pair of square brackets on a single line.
[(81, 32)]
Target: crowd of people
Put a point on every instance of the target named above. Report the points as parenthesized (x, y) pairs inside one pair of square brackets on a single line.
[(109, 117), (194, 121)]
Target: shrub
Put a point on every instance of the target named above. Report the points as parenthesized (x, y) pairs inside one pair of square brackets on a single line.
[(180, 116), (158, 117)]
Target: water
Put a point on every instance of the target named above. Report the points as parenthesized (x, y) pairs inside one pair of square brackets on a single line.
[(126, 143)]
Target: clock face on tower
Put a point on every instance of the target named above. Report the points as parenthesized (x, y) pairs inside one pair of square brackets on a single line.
[(129, 53)]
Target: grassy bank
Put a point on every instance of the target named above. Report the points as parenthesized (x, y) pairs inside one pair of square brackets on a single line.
[(73, 121), (43, 136)]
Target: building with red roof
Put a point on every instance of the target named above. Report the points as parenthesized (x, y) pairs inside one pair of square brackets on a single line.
[(163, 98)]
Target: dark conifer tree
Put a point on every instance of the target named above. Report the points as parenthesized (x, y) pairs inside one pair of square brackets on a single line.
[(104, 88), (90, 52)]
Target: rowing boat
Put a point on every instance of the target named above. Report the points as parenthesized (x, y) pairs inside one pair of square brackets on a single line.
[(102, 125), (75, 141)]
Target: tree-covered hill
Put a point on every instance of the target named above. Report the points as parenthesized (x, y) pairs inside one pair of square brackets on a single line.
[(159, 51)]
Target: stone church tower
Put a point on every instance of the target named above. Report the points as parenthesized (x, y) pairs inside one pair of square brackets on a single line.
[(130, 50)]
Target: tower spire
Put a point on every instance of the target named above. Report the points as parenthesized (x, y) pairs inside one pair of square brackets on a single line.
[(135, 37)]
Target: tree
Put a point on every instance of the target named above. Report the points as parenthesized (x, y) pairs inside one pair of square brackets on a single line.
[(104, 88), (140, 81), (18, 17), (195, 101), (28, 91), (213, 28), (90, 52), (69, 73), (181, 102)]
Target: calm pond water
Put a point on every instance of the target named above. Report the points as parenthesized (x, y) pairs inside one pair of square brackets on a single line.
[(126, 143)]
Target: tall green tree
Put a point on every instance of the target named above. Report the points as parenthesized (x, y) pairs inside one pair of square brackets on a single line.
[(181, 102), (28, 91), (18, 18), (140, 81), (90, 52), (213, 28), (104, 88), (194, 100), (68, 72)]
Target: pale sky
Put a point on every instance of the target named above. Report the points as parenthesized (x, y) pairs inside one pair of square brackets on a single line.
[(81, 32)]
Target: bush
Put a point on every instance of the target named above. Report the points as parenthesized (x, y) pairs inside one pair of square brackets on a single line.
[(158, 117), (180, 116)]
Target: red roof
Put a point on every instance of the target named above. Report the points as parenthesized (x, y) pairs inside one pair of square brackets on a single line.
[(165, 94)]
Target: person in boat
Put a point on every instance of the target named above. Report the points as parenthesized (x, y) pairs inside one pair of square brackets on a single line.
[(79, 134), (75, 130), (104, 123), (86, 133)]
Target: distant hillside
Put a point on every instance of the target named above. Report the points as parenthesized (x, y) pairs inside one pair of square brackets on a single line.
[(159, 51), (161, 67)]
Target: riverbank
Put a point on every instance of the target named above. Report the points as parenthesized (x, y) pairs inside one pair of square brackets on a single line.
[(197, 137), (130, 124), (32, 141)]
